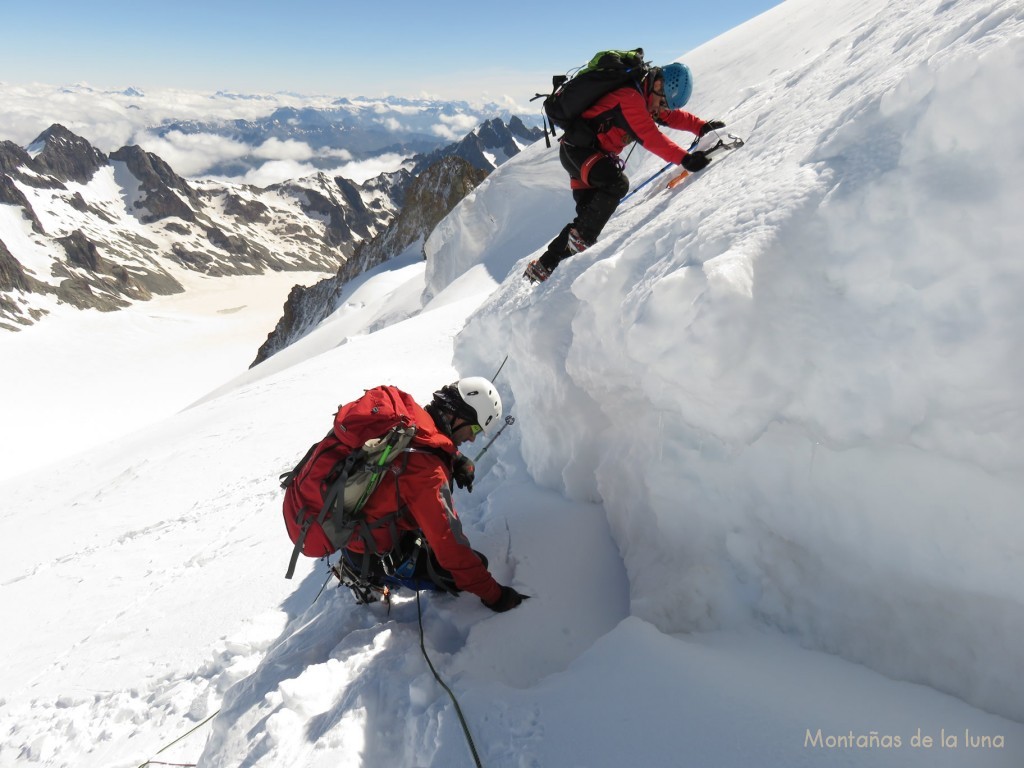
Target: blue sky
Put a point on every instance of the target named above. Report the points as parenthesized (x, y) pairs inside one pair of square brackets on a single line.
[(451, 50)]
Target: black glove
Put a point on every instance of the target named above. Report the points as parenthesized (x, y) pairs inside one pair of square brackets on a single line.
[(695, 161), (711, 125), (464, 471), (509, 599)]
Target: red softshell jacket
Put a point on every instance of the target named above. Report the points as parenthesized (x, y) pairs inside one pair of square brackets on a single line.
[(621, 117), (419, 484)]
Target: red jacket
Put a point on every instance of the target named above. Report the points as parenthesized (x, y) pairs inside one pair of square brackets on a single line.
[(421, 483), (621, 117)]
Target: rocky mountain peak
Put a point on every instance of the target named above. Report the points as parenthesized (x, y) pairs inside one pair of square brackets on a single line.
[(487, 147), (66, 156), (158, 184), (494, 132), (519, 130), (13, 157)]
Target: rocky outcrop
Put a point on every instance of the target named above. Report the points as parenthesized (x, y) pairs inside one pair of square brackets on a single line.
[(65, 156), (304, 309), (248, 211), (339, 203), (12, 275), (487, 147), (78, 202), (113, 283), (11, 195), (162, 193), (13, 284), (82, 252), (429, 198), (13, 158)]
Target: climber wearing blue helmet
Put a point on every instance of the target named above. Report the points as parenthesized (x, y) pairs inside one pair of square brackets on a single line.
[(630, 113), (678, 85)]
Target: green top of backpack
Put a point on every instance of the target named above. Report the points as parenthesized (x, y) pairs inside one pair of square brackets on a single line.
[(616, 60), (606, 71)]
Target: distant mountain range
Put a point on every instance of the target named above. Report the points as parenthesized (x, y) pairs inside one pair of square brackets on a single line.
[(432, 195), (88, 229), (363, 128)]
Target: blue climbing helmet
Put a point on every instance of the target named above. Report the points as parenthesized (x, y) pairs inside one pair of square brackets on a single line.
[(678, 85)]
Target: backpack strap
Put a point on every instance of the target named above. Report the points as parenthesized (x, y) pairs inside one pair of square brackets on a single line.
[(337, 489), (391, 521), (557, 81), (422, 546), (352, 522), (289, 477), (445, 457)]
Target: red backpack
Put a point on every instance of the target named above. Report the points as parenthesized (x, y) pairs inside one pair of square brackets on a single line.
[(326, 491)]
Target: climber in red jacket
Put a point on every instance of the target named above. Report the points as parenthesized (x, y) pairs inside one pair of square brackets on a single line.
[(411, 516), (627, 114)]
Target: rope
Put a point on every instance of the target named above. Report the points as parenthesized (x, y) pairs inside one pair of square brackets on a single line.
[(168, 746), (458, 709), (322, 588)]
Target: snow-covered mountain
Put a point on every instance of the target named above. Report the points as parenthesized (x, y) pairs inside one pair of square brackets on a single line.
[(434, 192), (487, 146), (763, 485), (81, 228)]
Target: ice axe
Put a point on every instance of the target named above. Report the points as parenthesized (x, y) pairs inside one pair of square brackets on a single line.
[(643, 184), (733, 142)]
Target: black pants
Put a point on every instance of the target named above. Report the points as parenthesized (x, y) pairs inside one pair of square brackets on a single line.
[(595, 203), (427, 573)]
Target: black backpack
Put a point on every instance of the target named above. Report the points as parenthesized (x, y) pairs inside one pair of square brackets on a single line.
[(571, 96)]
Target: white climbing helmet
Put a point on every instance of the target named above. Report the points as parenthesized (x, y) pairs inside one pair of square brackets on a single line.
[(481, 395)]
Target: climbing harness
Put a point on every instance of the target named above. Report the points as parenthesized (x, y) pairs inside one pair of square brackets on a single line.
[(364, 591)]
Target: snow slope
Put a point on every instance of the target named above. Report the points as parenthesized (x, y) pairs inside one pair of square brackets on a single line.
[(763, 484), (801, 373), (91, 376)]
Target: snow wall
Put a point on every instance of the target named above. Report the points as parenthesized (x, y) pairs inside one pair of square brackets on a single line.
[(794, 383)]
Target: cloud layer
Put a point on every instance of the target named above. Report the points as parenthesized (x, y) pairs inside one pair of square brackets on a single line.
[(112, 119)]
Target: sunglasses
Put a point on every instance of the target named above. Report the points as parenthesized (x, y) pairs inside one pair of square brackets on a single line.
[(475, 429)]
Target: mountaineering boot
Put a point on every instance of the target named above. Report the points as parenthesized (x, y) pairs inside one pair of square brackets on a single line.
[(576, 242), (537, 272)]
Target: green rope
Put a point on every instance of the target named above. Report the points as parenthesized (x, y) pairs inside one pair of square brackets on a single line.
[(458, 709), (168, 746)]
